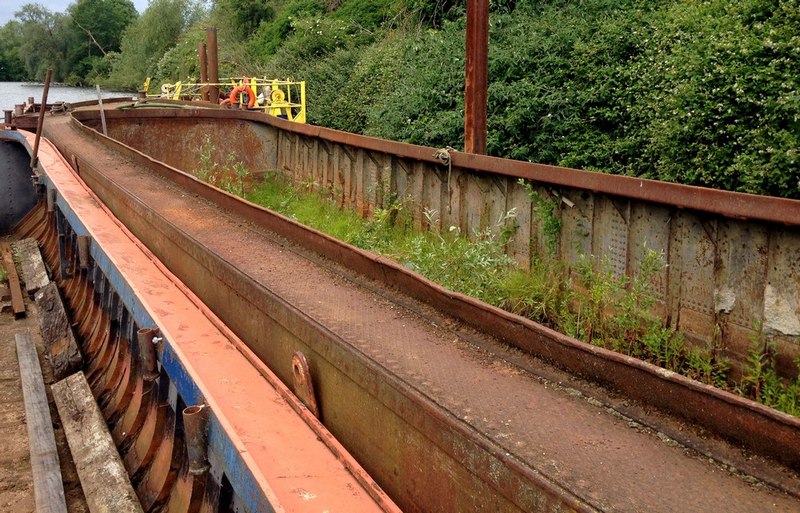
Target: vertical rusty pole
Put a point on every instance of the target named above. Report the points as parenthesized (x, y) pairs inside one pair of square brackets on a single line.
[(40, 123), (477, 76), (201, 51), (213, 64), (195, 423)]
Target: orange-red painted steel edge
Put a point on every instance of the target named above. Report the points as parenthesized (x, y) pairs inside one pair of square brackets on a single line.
[(266, 450)]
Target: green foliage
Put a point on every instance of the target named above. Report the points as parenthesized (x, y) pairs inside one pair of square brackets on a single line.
[(761, 383), (245, 16), (147, 39), (43, 41), (12, 68), (368, 14), (270, 35), (426, 105), (718, 82), (699, 92), (230, 175), (591, 303), (181, 62), (544, 294), (98, 25), (547, 214)]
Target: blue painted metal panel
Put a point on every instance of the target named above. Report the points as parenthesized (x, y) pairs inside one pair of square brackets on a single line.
[(249, 494)]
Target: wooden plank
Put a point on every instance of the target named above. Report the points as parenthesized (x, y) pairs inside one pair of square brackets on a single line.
[(17, 302), (34, 273), (48, 487), (103, 478), (59, 342)]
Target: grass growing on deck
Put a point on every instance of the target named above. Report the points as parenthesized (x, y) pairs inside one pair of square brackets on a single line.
[(589, 303)]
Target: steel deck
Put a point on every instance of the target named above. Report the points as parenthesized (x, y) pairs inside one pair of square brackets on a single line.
[(442, 424)]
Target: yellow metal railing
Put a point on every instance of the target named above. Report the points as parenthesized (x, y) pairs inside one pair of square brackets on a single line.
[(281, 98)]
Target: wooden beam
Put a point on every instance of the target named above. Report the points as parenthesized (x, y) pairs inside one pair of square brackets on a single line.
[(48, 487), (34, 272), (59, 341), (103, 478), (17, 301)]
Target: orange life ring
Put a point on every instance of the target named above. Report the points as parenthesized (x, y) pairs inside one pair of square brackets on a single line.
[(243, 89)]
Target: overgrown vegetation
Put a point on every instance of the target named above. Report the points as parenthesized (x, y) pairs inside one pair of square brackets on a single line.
[(703, 92), (231, 175), (763, 384), (590, 303)]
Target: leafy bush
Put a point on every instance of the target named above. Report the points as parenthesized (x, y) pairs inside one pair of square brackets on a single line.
[(271, 34)]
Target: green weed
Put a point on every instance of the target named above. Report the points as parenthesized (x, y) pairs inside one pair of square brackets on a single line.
[(589, 302), (761, 383), (546, 210), (231, 176)]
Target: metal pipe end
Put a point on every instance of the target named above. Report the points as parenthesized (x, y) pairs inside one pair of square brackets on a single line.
[(147, 353), (195, 424)]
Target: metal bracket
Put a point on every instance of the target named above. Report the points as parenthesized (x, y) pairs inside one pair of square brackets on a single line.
[(303, 386)]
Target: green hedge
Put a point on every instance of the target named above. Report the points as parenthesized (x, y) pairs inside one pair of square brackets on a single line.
[(698, 92)]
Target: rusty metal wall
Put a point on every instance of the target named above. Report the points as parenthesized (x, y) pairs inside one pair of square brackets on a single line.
[(17, 195), (732, 260)]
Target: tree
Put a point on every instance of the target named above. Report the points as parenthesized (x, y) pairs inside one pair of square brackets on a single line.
[(12, 68), (244, 16), (96, 29), (148, 38), (43, 41)]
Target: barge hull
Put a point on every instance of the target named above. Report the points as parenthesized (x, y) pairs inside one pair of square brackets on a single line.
[(265, 451)]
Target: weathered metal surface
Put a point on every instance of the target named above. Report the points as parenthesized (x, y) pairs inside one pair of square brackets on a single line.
[(731, 416), (252, 468), (303, 383), (40, 122), (608, 216), (16, 189), (394, 406), (525, 486), (477, 79)]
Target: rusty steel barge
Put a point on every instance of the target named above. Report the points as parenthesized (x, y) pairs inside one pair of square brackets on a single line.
[(337, 380)]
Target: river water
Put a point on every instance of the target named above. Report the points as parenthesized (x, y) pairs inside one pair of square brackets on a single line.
[(12, 93)]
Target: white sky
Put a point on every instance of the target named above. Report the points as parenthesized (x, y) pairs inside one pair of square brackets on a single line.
[(9, 7)]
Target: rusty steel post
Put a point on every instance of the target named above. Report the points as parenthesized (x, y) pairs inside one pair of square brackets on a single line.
[(147, 353), (40, 123), (83, 251), (213, 64), (477, 78), (195, 425), (201, 52), (7, 116)]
